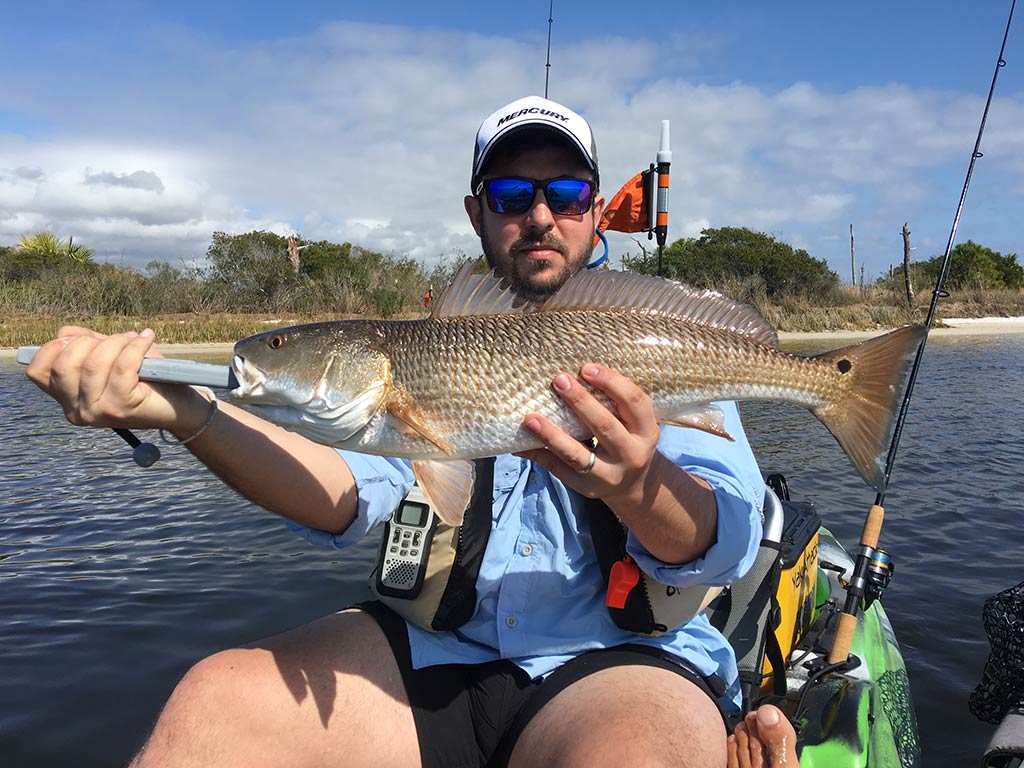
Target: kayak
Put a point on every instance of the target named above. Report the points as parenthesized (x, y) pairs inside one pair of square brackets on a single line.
[(781, 620)]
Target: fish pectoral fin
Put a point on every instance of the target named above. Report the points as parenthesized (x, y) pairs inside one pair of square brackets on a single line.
[(705, 417), (448, 486), (401, 407)]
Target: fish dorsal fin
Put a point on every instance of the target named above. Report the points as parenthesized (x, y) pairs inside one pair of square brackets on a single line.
[(487, 294), (477, 294), (646, 294)]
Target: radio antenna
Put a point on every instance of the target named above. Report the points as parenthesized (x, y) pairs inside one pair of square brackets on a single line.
[(547, 65)]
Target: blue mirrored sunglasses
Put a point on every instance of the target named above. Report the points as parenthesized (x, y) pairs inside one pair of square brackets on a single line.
[(512, 195)]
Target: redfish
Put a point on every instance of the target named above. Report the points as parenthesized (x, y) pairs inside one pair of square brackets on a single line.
[(456, 386)]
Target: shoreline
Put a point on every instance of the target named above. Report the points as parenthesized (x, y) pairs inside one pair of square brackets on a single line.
[(955, 326)]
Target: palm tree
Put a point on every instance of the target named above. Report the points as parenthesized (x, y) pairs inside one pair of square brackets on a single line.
[(47, 245)]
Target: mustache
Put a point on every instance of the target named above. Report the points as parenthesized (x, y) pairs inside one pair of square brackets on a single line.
[(547, 240)]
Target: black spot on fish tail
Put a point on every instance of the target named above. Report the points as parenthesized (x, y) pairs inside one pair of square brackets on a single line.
[(862, 414)]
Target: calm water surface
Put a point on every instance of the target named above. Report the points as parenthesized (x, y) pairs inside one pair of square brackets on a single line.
[(115, 579)]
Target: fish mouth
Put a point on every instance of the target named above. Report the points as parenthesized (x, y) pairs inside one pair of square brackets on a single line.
[(250, 378)]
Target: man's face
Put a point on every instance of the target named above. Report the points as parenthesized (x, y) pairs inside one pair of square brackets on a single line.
[(537, 250)]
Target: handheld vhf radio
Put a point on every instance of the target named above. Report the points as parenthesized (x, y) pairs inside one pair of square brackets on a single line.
[(402, 563)]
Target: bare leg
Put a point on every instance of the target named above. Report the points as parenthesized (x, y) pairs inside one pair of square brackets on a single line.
[(765, 739), (328, 693), (638, 716)]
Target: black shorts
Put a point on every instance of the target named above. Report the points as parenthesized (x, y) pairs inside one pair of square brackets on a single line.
[(471, 715)]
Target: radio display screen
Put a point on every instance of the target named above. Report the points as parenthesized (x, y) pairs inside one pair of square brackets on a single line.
[(412, 513)]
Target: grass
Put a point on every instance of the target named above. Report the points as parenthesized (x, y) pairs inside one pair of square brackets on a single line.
[(793, 315), (29, 330), (193, 309)]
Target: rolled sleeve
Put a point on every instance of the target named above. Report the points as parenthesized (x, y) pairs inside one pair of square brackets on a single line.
[(732, 554), (381, 483), (730, 469)]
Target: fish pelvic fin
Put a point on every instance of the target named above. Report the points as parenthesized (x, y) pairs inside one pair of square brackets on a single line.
[(863, 420), (448, 486), (401, 406), (706, 417)]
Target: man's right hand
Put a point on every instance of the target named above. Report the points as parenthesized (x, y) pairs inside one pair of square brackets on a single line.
[(95, 379)]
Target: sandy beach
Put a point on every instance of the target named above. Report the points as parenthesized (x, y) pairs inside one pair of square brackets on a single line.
[(955, 326)]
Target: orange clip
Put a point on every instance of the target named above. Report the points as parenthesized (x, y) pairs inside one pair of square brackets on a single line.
[(625, 575)]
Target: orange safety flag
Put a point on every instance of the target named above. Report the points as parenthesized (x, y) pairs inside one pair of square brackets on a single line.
[(627, 211)]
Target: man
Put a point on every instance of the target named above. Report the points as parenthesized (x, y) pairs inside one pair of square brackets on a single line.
[(540, 674)]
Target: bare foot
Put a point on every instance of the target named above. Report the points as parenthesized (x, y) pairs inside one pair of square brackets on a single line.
[(764, 739)]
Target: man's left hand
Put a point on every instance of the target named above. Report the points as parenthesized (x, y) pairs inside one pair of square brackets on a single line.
[(626, 439)]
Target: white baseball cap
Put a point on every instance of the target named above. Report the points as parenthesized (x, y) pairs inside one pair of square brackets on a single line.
[(533, 111)]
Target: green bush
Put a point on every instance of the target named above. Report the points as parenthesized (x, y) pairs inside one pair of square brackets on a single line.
[(254, 268), (739, 254), (975, 266), (384, 302)]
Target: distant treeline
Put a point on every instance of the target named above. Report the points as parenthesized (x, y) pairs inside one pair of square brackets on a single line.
[(250, 273), (769, 268), (261, 272)]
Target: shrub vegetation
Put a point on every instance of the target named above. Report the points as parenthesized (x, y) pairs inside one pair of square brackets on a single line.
[(253, 279)]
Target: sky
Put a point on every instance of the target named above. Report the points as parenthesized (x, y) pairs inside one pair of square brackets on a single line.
[(140, 128)]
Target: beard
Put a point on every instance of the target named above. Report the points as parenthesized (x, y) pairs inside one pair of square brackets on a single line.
[(534, 281)]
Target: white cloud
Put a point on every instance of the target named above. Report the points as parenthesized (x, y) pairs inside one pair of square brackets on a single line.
[(363, 133)]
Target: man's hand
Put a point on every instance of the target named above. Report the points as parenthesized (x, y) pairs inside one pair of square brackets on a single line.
[(671, 512), (95, 379), (626, 442)]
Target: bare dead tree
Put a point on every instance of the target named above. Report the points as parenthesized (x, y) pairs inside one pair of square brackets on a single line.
[(853, 261), (643, 250), (906, 266)]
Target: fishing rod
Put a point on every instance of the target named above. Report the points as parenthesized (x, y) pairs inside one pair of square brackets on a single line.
[(547, 65), (873, 567)]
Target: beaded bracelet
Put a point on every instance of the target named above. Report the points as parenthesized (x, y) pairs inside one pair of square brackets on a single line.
[(206, 424)]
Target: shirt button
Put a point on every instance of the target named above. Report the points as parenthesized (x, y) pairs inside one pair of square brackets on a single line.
[(511, 622), (527, 550)]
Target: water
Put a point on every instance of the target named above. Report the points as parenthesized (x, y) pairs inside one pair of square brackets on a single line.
[(115, 579)]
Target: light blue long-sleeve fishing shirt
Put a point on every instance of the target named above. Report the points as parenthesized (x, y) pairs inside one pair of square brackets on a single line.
[(540, 591)]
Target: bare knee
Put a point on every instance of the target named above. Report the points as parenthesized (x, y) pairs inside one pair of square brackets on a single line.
[(210, 709), (217, 694), (216, 686), (325, 692)]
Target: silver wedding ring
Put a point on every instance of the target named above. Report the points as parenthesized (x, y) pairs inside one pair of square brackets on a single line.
[(590, 464)]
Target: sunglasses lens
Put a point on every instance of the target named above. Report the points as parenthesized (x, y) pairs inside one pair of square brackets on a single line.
[(510, 195), (568, 197), (565, 197)]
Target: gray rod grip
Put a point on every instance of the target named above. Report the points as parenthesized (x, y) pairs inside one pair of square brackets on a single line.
[(168, 370)]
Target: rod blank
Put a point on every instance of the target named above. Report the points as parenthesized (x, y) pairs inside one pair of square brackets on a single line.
[(170, 371)]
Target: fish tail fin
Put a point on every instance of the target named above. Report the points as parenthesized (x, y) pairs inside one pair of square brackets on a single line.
[(862, 421)]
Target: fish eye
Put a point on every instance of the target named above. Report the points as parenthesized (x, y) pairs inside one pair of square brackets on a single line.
[(276, 341)]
